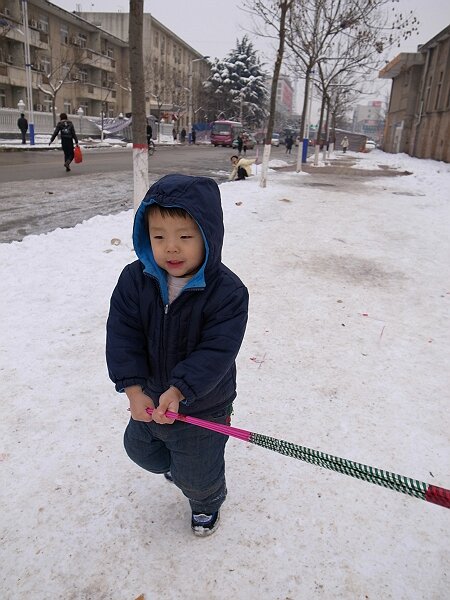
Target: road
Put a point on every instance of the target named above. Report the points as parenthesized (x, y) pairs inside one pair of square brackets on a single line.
[(38, 196)]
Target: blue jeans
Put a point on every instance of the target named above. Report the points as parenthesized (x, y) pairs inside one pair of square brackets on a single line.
[(193, 455)]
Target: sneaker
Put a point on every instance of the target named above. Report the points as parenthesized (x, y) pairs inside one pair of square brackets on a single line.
[(203, 525), (168, 476)]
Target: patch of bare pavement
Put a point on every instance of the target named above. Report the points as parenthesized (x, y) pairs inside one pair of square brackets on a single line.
[(344, 166)]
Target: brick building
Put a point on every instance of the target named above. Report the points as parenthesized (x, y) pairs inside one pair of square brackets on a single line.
[(418, 117)]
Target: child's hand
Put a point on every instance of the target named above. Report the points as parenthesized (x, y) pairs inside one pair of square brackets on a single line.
[(138, 403), (170, 400)]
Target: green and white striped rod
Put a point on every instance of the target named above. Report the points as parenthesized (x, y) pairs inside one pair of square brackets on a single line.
[(398, 483)]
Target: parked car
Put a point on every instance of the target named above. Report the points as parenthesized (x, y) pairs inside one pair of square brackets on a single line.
[(370, 145), (250, 143), (275, 141)]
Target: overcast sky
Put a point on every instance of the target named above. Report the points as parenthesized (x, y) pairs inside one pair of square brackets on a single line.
[(212, 27)]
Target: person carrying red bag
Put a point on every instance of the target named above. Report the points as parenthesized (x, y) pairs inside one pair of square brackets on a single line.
[(68, 136)]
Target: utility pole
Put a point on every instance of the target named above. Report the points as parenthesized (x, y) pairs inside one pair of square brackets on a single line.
[(28, 72)]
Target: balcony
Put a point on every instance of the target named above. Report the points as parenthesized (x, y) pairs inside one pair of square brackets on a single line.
[(97, 60), (12, 75), (38, 39), (89, 91)]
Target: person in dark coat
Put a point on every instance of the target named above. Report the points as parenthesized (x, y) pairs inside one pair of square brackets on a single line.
[(193, 135), (149, 134), (183, 135), (22, 124), (176, 322), (68, 136), (289, 141), (240, 143)]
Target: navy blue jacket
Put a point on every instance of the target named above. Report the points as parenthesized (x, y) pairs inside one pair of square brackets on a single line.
[(193, 343)]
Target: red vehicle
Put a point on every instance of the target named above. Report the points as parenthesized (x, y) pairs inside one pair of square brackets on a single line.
[(224, 132)]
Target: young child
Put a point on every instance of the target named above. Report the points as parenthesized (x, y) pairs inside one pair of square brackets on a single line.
[(176, 323), (242, 168)]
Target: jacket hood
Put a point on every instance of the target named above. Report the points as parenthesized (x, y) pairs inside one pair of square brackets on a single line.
[(200, 197)]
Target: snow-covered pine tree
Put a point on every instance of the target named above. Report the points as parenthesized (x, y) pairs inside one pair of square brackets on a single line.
[(238, 87)]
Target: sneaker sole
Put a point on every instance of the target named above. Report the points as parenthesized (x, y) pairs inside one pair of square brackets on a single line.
[(200, 531)]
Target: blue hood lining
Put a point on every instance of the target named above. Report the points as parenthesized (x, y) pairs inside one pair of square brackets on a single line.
[(143, 249)]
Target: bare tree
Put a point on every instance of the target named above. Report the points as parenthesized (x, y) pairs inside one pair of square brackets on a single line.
[(140, 148), (63, 70), (274, 15), (319, 29)]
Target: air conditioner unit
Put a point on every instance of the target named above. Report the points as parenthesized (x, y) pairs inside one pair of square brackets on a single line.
[(33, 23), (75, 40), (9, 59), (39, 107)]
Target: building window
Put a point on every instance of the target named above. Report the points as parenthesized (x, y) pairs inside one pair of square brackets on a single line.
[(45, 65), (438, 91), (67, 107), (64, 34), (428, 94), (82, 76), (2, 98), (80, 40), (43, 23)]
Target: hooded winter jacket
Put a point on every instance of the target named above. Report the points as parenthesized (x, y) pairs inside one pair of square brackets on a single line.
[(192, 343)]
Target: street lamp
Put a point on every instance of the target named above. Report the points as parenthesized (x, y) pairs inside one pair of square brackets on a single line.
[(80, 113), (190, 114), (28, 72)]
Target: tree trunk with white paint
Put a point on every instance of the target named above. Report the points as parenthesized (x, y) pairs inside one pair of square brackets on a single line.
[(140, 148), (285, 5)]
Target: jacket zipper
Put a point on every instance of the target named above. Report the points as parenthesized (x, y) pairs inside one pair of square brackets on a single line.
[(165, 325)]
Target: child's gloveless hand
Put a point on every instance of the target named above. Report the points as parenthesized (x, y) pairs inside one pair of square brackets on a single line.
[(138, 403), (169, 400)]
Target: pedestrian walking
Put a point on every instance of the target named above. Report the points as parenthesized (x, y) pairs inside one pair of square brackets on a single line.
[(176, 322), (68, 136), (22, 124), (344, 144), (183, 135), (193, 135), (289, 141), (240, 143), (174, 134)]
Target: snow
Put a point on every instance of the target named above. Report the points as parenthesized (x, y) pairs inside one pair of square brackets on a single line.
[(346, 352)]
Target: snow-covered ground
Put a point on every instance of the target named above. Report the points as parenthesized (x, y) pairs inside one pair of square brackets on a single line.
[(346, 351)]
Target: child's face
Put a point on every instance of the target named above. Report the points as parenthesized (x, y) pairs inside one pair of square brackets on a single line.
[(177, 244)]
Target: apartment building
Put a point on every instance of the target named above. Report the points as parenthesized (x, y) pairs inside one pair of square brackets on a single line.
[(88, 53), (418, 117), (85, 66), (369, 119), (173, 70)]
